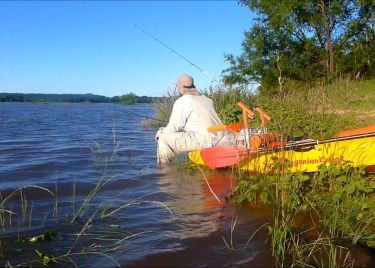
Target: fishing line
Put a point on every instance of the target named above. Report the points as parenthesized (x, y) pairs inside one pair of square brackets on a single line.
[(175, 52), (148, 117), (212, 79)]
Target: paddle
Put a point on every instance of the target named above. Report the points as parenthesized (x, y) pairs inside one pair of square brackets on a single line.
[(225, 156), (296, 144), (236, 127), (357, 131)]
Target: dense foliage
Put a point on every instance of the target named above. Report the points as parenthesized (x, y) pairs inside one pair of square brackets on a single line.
[(318, 112), (306, 41)]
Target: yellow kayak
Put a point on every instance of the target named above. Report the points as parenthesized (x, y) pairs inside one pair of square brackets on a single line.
[(263, 152), (303, 156)]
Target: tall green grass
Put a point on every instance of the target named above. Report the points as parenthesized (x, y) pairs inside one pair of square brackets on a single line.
[(319, 111), (317, 217)]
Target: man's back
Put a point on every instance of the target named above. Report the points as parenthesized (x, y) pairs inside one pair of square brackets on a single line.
[(193, 113), (199, 112)]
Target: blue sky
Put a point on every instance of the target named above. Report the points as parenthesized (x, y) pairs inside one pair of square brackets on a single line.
[(94, 47)]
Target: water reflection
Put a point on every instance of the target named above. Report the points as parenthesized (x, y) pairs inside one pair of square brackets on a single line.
[(201, 222), (196, 210)]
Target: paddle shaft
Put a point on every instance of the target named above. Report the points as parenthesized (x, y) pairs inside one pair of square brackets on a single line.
[(295, 145)]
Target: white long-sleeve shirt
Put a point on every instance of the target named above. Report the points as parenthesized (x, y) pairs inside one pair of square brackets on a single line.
[(193, 113)]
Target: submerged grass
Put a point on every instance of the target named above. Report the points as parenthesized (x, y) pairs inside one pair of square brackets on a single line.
[(67, 238)]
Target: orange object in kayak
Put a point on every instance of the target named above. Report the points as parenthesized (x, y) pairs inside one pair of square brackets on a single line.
[(246, 112), (263, 116), (236, 127), (261, 140), (358, 131)]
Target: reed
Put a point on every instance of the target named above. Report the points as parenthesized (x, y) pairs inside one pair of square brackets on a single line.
[(163, 109), (63, 238), (319, 110), (336, 200), (230, 244)]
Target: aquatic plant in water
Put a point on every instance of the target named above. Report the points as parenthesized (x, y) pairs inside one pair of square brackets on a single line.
[(315, 215), (64, 237)]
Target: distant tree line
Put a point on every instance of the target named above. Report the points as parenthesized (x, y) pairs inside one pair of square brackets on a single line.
[(130, 98)]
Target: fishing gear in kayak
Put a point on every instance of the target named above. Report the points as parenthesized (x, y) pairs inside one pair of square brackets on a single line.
[(144, 116), (258, 150)]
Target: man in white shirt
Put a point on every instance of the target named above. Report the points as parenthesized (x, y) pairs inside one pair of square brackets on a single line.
[(192, 115)]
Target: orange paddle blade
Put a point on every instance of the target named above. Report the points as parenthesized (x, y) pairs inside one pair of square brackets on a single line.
[(236, 127), (357, 131), (224, 156)]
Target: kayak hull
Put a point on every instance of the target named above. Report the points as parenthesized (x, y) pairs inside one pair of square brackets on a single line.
[(356, 152)]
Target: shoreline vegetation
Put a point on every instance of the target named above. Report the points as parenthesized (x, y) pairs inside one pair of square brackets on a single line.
[(319, 111), (129, 98), (319, 219)]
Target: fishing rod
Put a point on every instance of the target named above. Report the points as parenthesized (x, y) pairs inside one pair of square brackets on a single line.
[(148, 117), (264, 116), (212, 79)]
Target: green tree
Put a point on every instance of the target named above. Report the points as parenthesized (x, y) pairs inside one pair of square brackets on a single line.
[(130, 98), (304, 40), (115, 99)]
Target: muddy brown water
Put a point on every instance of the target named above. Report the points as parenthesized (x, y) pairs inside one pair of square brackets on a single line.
[(174, 220)]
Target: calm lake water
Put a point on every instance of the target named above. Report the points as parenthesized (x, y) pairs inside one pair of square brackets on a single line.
[(144, 215)]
